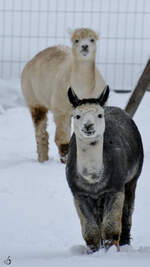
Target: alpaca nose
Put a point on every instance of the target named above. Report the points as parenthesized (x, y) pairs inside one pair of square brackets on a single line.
[(88, 126), (85, 47)]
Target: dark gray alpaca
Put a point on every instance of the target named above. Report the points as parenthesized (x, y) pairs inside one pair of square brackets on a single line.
[(104, 162)]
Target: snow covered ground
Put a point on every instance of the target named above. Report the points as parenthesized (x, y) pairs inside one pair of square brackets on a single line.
[(38, 222)]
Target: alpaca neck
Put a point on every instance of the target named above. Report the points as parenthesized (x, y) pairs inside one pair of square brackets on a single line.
[(90, 160), (83, 77)]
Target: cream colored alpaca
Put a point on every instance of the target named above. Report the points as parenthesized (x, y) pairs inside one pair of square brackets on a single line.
[(45, 81)]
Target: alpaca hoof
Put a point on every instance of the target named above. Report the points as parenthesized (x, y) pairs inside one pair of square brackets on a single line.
[(63, 151), (109, 243), (116, 243), (92, 249), (63, 159), (43, 158)]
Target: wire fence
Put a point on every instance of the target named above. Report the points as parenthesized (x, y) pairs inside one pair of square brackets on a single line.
[(28, 26)]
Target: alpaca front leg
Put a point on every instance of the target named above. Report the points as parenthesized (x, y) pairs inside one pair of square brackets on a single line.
[(39, 117), (90, 229), (112, 219), (62, 135)]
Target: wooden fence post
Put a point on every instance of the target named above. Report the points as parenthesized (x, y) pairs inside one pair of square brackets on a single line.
[(139, 91)]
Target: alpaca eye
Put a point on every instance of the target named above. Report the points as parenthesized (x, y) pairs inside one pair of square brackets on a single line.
[(78, 117), (92, 40), (76, 41), (100, 116)]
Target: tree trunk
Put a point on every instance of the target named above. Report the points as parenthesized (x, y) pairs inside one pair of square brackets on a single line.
[(139, 91)]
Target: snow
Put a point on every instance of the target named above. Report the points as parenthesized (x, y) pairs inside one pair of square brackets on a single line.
[(10, 94), (38, 222)]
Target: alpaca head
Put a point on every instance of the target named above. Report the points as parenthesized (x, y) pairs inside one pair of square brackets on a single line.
[(89, 122), (84, 43)]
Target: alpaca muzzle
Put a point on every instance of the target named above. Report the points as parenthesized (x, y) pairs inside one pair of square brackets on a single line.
[(84, 50)]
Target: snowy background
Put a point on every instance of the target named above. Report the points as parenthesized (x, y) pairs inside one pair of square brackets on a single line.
[(27, 26), (38, 222)]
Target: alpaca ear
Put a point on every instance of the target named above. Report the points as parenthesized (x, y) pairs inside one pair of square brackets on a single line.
[(70, 32), (104, 96), (97, 35), (74, 100)]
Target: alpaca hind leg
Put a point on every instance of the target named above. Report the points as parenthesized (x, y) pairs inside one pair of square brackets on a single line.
[(127, 212), (39, 117), (62, 135)]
